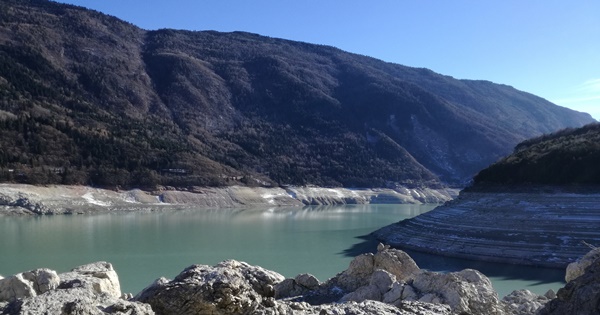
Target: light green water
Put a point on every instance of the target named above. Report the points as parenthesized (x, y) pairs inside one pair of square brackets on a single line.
[(145, 246)]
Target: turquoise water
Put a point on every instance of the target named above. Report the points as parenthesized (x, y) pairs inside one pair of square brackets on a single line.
[(145, 246)]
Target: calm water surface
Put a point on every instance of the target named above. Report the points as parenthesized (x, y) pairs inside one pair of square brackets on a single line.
[(144, 246)]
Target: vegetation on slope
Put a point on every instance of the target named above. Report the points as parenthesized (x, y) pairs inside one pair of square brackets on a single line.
[(567, 157), (88, 99)]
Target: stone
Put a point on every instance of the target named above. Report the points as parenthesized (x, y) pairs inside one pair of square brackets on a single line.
[(302, 284), (394, 295), (100, 277), (308, 281), (396, 262), (43, 280), (466, 291), (86, 290), (523, 302), (550, 294), (576, 269), (358, 273), (383, 280), (28, 284), (230, 287), (368, 292), (581, 295)]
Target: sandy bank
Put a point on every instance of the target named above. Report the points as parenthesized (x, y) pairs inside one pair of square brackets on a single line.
[(60, 199)]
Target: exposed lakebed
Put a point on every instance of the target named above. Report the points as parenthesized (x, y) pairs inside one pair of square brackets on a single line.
[(145, 245)]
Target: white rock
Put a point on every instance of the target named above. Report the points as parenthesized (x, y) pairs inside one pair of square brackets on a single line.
[(464, 291), (383, 280), (28, 284), (100, 277), (368, 292), (577, 268)]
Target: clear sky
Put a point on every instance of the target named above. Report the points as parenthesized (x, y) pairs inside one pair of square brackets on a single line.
[(550, 48)]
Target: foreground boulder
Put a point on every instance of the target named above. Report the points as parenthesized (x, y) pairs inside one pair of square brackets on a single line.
[(230, 287), (28, 284), (576, 269), (86, 290), (234, 287), (581, 295), (386, 282)]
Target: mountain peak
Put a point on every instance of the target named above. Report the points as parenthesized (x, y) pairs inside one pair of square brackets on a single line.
[(86, 98)]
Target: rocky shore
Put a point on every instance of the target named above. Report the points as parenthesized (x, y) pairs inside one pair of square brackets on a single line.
[(543, 227), (387, 282), (22, 199)]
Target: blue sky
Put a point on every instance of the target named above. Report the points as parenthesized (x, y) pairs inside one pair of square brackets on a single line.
[(550, 48)]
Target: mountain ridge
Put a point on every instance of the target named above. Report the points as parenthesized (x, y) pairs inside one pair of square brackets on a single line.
[(89, 99)]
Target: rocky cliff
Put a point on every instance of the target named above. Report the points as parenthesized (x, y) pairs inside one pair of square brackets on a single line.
[(387, 282)]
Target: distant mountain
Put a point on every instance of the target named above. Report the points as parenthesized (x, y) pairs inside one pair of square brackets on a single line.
[(87, 98), (567, 157)]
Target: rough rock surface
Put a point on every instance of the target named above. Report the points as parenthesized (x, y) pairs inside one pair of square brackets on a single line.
[(392, 277), (467, 291), (579, 296), (541, 227), (577, 268), (524, 302), (86, 290), (387, 282), (28, 284), (20, 199), (230, 287), (233, 287)]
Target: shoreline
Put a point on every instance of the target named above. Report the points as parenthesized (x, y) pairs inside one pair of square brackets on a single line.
[(545, 229), (23, 199)]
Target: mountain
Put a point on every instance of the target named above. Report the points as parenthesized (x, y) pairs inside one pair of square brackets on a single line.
[(86, 98), (567, 157)]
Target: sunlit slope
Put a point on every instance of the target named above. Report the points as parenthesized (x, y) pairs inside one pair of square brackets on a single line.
[(88, 99)]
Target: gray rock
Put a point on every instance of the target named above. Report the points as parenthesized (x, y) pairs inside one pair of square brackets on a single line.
[(308, 281), (523, 302), (550, 294), (301, 285), (383, 280), (28, 284), (368, 307), (394, 295), (86, 290), (466, 291), (577, 268), (368, 292), (579, 296), (99, 277), (230, 287), (394, 261)]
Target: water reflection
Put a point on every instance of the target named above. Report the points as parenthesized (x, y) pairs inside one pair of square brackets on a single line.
[(145, 245)]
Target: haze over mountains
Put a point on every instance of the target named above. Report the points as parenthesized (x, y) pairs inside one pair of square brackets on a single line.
[(86, 98)]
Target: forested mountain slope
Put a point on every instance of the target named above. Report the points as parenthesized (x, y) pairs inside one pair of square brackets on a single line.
[(567, 157), (86, 98)]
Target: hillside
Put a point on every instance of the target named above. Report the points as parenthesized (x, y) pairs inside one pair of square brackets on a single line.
[(538, 206), (86, 98), (567, 157)]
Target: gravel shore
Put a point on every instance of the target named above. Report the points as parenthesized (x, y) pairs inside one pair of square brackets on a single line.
[(19, 199)]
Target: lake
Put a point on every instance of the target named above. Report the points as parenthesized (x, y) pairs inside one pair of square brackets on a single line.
[(143, 246)]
